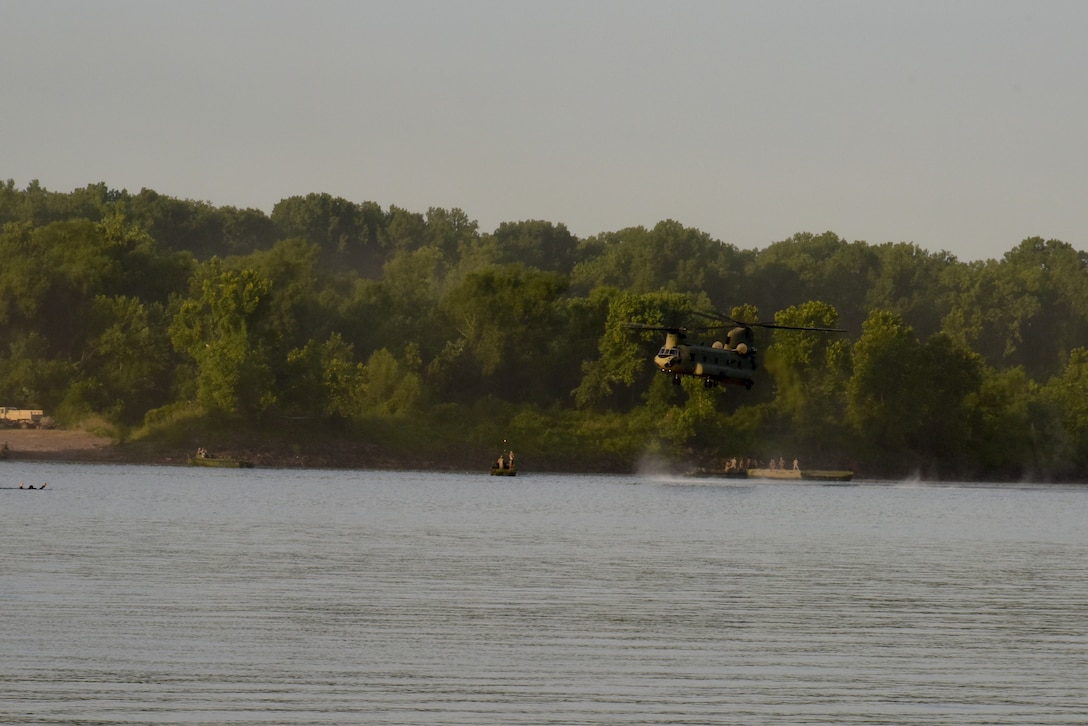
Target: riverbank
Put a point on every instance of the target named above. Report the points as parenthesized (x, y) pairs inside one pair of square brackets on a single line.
[(283, 450), (90, 447), (280, 450)]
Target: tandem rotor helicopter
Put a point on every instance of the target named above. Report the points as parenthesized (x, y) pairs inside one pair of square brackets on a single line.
[(732, 362)]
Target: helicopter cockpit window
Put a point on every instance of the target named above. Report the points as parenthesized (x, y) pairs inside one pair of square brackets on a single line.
[(664, 352)]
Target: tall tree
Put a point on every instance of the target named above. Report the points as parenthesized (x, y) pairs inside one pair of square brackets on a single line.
[(126, 366), (909, 284), (810, 371), (343, 231), (1069, 394), (814, 267), (537, 243), (911, 403), (880, 395), (450, 231), (669, 257), (222, 329), (326, 383), (1019, 432), (509, 318)]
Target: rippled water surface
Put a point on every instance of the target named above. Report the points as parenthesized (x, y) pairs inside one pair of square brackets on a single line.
[(156, 595)]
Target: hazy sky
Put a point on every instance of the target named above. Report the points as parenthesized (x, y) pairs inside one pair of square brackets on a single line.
[(959, 126)]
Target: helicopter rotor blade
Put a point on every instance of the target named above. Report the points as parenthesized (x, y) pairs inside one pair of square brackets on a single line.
[(743, 324), (724, 319), (646, 326), (670, 328), (799, 327)]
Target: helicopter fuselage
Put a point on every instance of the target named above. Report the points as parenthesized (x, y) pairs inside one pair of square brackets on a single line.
[(717, 363), (732, 362)]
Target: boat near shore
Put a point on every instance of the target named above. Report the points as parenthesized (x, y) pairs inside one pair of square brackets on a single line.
[(218, 462), (504, 465), (802, 474), (203, 458), (777, 474), (504, 471)]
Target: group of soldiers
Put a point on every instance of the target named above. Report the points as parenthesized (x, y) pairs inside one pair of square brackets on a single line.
[(735, 464)]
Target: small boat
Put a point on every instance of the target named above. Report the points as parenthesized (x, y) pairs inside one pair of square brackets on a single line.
[(504, 465), (220, 462), (802, 474), (203, 458)]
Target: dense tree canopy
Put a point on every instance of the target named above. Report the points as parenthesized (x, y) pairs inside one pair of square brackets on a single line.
[(126, 306)]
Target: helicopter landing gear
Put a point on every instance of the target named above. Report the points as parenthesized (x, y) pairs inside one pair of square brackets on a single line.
[(709, 383), (676, 379), (748, 385)]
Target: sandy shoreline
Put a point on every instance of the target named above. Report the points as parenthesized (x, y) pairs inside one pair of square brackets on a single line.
[(60, 442)]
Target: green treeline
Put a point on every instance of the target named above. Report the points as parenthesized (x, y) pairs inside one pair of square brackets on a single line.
[(146, 311)]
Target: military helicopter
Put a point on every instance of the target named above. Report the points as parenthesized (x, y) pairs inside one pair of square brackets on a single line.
[(732, 362)]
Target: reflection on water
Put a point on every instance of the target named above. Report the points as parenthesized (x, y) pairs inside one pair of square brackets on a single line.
[(169, 595)]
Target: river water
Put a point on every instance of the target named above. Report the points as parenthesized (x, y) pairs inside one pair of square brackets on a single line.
[(166, 595)]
